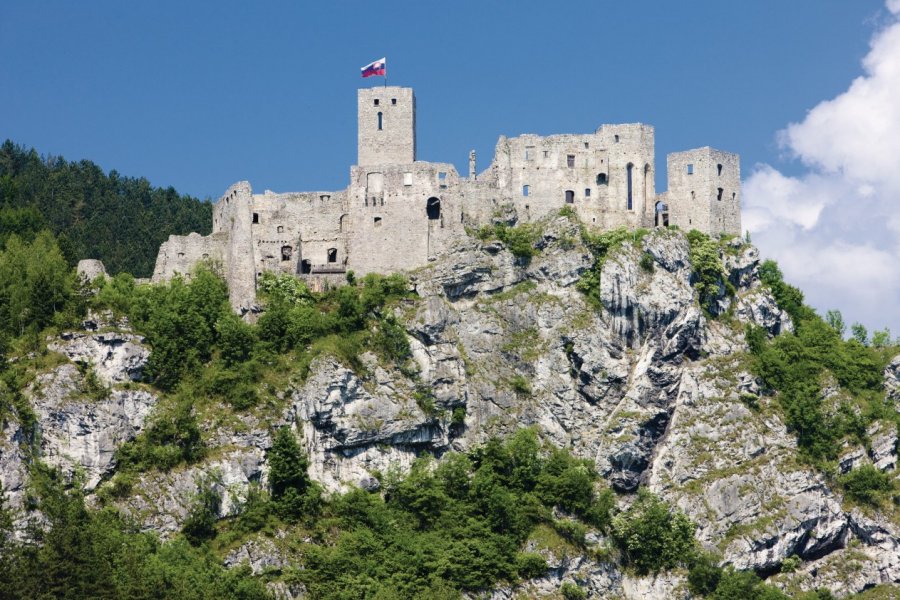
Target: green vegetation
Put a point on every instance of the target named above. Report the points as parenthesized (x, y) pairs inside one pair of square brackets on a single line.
[(520, 240), (92, 212), (652, 536), (868, 485), (600, 245), (708, 269)]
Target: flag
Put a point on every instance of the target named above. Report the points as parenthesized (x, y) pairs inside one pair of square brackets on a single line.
[(379, 67)]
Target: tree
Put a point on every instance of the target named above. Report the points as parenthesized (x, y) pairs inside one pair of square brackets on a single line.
[(652, 536), (292, 490), (881, 338), (836, 320), (860, 334)]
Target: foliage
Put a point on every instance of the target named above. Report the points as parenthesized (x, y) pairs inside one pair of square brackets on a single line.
[(652, 536), (200, 524), (36, 286), (707, 579), (78, 553), (571, 591), (172, 438), (520, 240), (789, 298), (92, 212), (293, 493), (600, 245), (867, 485), (708, 269)]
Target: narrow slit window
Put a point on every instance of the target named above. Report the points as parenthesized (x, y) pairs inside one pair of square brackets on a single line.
[(587, 192), (719, 169), (570, 161), (690, 169), (255, 218), (719, 195), (526, 189), (377, 222), (617, 138), (380, 115)]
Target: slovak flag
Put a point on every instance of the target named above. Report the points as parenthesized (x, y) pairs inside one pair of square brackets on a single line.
[(379, 67)]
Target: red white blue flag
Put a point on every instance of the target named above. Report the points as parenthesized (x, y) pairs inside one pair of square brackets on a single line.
[(379, 67)]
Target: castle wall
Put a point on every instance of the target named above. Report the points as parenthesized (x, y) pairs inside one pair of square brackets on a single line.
[(398, 213), (392, 226), (391, 137), (693, 196)]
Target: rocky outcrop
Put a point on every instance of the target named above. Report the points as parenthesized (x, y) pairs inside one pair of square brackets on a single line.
[(114, 356)]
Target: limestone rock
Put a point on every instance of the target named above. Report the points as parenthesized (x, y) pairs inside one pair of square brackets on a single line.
[(89, 269), (892, 380), (115, 357)]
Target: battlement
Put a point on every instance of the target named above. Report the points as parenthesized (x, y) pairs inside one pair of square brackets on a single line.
[(398, 213)]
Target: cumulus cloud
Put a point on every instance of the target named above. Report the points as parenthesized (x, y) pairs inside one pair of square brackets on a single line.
[(835, 229)]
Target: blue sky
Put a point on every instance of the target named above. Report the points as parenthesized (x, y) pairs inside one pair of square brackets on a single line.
[(199, 95)]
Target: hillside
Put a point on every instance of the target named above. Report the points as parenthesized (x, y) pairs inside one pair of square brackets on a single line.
[(540, 413), (119, 220)]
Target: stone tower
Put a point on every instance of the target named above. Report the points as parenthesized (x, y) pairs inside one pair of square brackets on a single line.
[(704, 190), (387, 126)]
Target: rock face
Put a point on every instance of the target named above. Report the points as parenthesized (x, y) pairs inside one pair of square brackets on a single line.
[(639, 379)]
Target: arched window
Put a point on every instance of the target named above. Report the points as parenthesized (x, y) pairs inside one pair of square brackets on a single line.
[(525, 189), (377, 222), (630, 201), (601, 179), (646, 183), (719, 196), (379, 121), (570, 196), (719, 169), (280, 229), (433, 209), (286, 252), (332, 255)]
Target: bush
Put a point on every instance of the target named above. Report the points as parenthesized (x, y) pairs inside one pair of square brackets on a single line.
[(652, 536), (172, 438), (531, 565), (571, 591), (200, 524), (867, 485), (293, 493)]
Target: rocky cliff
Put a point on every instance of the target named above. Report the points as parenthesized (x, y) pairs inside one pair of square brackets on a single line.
[(654, 390)]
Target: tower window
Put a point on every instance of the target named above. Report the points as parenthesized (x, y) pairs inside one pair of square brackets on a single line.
[(325, 197), (255, 218), (286, 252), (587, 192), (332, 255), (529, 152), (719, 169), (601, 178), (393, 101), (376, 101), (433, 209), (407, 179), (719, 195), (526, 189), (630, 201), (586, 145), (570, 197), (280, 229), (305, 267), (617, 138), (570, 161), (690, 169), (442, 179), (546, 154), (379, 121), (377, 222)]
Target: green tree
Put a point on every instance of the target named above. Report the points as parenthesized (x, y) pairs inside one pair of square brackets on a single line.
[(860, 334), (292, 490), (652, 536), (836, 321)]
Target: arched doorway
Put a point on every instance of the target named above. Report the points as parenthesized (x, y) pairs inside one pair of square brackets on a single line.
[(661, 214)]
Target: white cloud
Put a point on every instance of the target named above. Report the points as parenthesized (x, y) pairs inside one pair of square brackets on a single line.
[(835, 229)]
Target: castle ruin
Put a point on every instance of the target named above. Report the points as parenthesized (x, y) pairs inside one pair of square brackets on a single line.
[(398, 213)]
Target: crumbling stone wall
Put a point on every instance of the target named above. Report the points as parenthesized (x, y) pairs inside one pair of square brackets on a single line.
[(398, 213)]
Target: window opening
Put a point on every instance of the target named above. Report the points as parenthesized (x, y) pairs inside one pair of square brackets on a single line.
[(587, 192), (433, 209), (570, 197), (719, 195), (733, 195), (617, 138), (719, 169), (662, 214), (525, 190), (255, 218), (690, 169), (601, 178), (377, 221), (332, 255), (407, 179), (586, 145), (442, 179), (546, 154), (286, 252), (570, 161), (529, 152), (393, 101), (280, 229), (379, 121), (376, 101), (305, 267), (630, 202), (325, 197)]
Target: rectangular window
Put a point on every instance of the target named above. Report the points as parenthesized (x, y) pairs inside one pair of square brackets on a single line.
[(587, 192), (690, 169), (442, 179), (407, 179), (570, 161), (586, 145), (393, 101), (526, 189), (546, 154), (529, 152)]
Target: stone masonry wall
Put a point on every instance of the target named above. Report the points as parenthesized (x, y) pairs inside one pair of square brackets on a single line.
[(395, 140)]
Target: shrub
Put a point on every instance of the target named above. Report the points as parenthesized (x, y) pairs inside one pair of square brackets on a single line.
[(531, 565), (867, 485), (293, 493), (571, 591), (200, 524), (652, 536)]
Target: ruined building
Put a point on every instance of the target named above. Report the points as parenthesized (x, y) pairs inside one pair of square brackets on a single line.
[(398, 212)]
